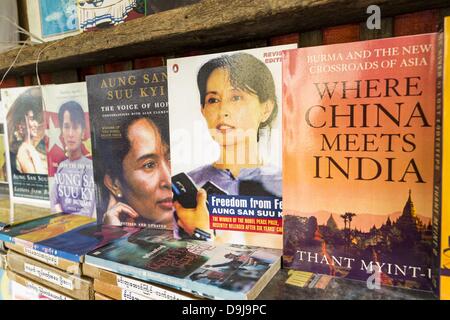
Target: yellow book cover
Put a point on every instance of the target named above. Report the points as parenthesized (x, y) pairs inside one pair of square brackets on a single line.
[(57, 225), (445, 211)]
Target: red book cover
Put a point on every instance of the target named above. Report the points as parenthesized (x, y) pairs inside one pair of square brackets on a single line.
[(358, 153)]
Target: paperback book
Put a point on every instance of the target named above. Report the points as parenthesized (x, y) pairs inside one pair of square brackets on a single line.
[(70, 169), (43, 228), (99, 296), (5, 285), (202, 268), (225, 132), (116, 293), (25, 289), (12, 214), (130, 143), (441, 214), (50, 20), (25, 151), (62, 240), (55, 279), (75, 244), (4, 185), (118, 286), (358, 154)]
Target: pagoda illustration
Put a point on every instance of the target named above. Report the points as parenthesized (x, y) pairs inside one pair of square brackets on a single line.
[(331, 223), (408, 223)]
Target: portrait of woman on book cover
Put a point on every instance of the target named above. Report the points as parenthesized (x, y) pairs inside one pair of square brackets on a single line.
[(136, 187), (72, 187), (26, 132), (237, 111)]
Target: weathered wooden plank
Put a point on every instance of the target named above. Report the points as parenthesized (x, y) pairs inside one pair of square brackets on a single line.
[(206, 24)]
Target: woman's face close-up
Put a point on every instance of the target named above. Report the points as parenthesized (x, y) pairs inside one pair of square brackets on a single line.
[(72, 133), (146, 173), (231, 114)]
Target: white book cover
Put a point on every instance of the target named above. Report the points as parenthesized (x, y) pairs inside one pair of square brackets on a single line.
[(25, 150), (225, 135), (4, 186), (69, 158)]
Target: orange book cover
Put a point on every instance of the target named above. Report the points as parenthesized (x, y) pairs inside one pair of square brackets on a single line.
[(358, 152)]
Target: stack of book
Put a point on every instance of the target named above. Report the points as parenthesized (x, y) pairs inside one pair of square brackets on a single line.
[(112, 286), (44, 256), (12, 214), (151, 264)]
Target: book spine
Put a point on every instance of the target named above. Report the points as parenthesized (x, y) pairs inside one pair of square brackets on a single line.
[(56, 279), (28, 80), (149, 62), (56, 253), (444, 266), (36, 289), (311, 38), (191, 287), (3, 263), (4, 237), (88, 71), (9, 83), (285, 39), (99, 296), (416, 23), (45, 78), (131, 271), (437, 192), (117, 293), (65, 76), (148, 290), (341, 34), (118, 66)]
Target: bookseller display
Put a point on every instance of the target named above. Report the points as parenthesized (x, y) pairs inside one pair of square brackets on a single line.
[(202, 178)]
